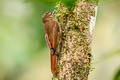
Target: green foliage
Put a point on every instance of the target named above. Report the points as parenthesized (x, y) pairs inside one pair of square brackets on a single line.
[(45, 1), (69, 3), (117, 75)]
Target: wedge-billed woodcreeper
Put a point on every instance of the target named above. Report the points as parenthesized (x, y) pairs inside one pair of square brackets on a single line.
[(52, 32)]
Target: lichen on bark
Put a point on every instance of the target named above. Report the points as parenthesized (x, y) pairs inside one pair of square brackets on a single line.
[(75, 52)]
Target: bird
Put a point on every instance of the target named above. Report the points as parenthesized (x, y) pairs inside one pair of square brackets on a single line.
[(52, 34)]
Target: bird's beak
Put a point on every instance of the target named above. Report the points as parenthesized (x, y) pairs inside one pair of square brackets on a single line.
[(53, 12)]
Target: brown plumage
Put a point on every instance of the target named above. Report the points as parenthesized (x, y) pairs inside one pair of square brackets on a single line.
[(51, 28)]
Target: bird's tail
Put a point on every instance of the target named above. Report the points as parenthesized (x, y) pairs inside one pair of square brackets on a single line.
[(54, 69)]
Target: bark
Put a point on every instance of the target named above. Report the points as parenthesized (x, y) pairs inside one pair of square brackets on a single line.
[(74, 52)]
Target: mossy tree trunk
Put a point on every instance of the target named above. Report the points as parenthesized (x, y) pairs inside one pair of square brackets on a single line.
[(76, 36)]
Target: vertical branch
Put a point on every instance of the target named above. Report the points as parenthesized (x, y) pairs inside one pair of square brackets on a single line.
[(76, 29)]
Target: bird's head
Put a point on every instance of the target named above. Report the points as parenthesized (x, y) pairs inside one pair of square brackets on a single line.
[(47, 16)]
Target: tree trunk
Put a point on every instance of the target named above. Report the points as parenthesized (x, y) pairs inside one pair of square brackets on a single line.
[(74, 52)]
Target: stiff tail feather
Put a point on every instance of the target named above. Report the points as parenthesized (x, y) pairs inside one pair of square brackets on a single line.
[(54, 69)]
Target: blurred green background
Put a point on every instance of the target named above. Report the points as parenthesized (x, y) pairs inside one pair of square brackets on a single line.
[(24, 54)]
